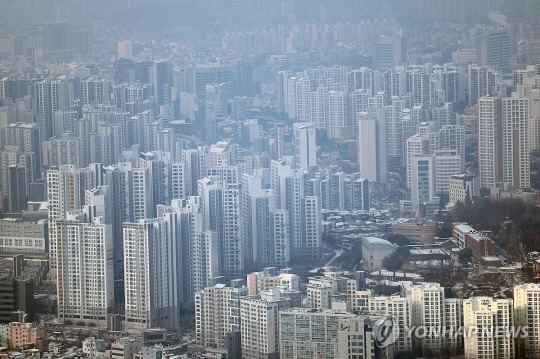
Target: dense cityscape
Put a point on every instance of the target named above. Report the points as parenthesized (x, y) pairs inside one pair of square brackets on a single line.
[(348, 179)]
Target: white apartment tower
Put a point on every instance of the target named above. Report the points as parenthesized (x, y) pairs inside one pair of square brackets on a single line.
[(399, 309), (221, 212), (490, 145), (447, 164), (65, 193), (490, 321), (427, 306), (422, 180), (516, 147), (483, 81), (337, 118), (85, 269), (260, 324), (305, 146), (527, 314), (372, 145), (152, 273), (217, 312)]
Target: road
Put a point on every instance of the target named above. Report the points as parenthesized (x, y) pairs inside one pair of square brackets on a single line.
[(338, 253)]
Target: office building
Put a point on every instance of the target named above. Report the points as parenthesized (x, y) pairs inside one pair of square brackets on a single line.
[(17, 189), (493, 47), (388, 52), (23, 237)]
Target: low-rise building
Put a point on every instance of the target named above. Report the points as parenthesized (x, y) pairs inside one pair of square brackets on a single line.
[(19, 236), (91, 346), (423, 233), (270, 278), (307, 333), (23, 334), (463, 187), (374, 250), (125, 348)]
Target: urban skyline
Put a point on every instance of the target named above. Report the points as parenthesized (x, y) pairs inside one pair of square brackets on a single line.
[(270, 179)]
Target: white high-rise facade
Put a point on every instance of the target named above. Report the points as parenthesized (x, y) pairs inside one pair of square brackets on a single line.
[(217, 312), (483, 81), (305, 146), (422, 180), (260, 324), (490, 164), (447, 164), (490, 323), (152, 273), (527, 314), (65, 193), (372, 145), (337, 114), (427, 305), (221, 212), (85, 269), (516, 147), (399, 309)]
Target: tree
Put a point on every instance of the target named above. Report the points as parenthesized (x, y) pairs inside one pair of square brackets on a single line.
[(465, 256), (393, 262), (398, 239)]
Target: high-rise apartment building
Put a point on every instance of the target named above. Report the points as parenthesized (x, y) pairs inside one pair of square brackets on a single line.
[(399, 309), (337, 118), (515, 139), (65, 193), (85, 268), (372, 145), (217, 312), (483, 81), (490, 323), (427, 307), (305, 146), (422, 179), (222, 209), (260, 324), (490, 145), (527, 314), (152, 273), (308, 333)]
